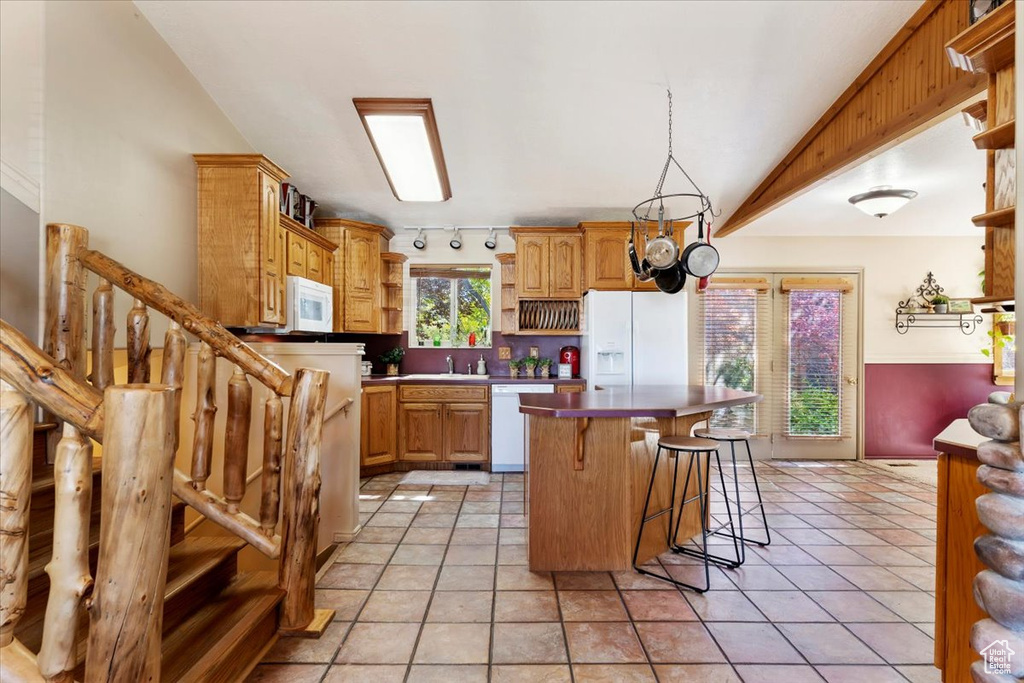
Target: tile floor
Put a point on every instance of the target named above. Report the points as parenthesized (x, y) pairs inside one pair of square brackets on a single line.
[(436, 588)]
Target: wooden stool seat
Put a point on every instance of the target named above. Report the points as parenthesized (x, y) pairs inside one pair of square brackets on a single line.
[(687, 444), (723, 434)]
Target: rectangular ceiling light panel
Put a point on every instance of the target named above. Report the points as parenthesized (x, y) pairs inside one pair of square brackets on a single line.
[(404, 136)]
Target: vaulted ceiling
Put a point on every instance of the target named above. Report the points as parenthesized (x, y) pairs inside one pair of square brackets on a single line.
[(549, 112)]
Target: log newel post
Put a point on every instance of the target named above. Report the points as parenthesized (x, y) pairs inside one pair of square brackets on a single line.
[(126, 610), (173, 369), (301, 502), (15, 492), (64, 305), (999, 590), (236, 439), (138, 344), (70, 580), (273, 428), (206, 410), (103, 336)]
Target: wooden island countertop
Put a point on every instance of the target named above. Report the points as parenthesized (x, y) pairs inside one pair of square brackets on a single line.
[(588, 464)]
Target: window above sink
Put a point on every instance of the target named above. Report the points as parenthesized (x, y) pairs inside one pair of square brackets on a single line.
[(453, 305)]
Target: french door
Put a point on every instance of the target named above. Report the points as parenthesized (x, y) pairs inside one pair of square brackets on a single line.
[(795, 339)]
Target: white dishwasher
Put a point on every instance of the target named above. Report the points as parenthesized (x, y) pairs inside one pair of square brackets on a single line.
[(507, 425)]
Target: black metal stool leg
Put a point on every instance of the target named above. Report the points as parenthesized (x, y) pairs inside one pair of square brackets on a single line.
[(647, 503), (760, 502), (736, 544), (739, 504), (686, 485)]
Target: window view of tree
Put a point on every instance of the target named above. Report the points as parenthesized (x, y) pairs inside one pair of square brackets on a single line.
[(453, 305), (730, 358), (815, 362)]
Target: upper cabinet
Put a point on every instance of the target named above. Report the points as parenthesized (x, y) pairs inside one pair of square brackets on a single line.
[(241, 241), (358, 289), (548, 263), (246, 247), (607, 258)]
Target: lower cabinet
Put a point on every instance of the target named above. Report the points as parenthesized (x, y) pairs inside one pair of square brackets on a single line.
[(467, 432), (453, 426), (420, 431), (379, 428)]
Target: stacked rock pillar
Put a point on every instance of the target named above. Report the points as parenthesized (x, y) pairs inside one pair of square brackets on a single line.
[(999, 590)]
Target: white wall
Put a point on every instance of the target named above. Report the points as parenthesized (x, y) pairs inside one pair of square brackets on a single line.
[(21, 100), (893, 269), (123, 117)]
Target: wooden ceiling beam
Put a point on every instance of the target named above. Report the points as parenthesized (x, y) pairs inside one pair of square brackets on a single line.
[(908, 84)]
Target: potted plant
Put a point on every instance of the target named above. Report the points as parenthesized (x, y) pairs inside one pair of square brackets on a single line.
[(531, 365), (392, 358), (513, 368), (545, 367), (940, 302)]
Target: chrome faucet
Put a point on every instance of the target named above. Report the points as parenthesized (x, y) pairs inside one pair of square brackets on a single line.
[(451, 365)]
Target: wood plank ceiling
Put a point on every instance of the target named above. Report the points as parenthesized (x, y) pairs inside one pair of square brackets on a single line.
[(907, 85)]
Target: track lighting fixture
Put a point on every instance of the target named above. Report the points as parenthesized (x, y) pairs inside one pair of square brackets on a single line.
[(420, 242), (492, 240), (455, 242)]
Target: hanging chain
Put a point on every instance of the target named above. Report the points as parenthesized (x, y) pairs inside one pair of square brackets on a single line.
[(670, 123)]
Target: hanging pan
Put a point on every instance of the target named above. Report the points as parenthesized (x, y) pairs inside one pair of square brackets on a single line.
[(671, 280), (642, 269), (700, 259), (662, 252)]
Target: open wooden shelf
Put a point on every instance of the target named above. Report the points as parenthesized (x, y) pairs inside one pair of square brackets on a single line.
[(999, 137), (987, 46), (1000, 218)]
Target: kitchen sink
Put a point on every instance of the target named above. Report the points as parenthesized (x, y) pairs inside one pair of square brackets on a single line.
[(445, 376)]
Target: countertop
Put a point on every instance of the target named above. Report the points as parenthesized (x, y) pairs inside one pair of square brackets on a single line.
[(639, 401), (959, 438), (465, 379)]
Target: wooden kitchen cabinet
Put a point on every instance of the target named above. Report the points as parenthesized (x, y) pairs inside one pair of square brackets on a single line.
[(467, 432), (314, 262), (296, 255), (241, 241), (570, 388), (606, 257), (379, 429), (549, 263), (392, 273), (444, 423), (421, 431), (358, 291)]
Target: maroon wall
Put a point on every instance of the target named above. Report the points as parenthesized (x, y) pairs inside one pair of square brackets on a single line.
[(907, 404), (427, 359)]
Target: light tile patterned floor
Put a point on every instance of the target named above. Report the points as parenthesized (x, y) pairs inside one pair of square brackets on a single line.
[(436, 588)]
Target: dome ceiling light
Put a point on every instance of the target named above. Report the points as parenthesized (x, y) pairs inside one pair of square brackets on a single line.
[(882, 201)]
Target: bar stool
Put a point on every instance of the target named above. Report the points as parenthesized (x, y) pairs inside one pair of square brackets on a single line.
[(731, 436), (695, 447)]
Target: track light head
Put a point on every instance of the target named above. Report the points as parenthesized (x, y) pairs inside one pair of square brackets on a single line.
[(492, 240), (456, 242), (420, 242)]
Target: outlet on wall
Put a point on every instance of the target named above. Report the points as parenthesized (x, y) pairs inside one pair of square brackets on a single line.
[(534, 352)]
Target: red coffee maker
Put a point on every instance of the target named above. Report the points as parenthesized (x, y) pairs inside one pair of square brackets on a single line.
[(570, 355)]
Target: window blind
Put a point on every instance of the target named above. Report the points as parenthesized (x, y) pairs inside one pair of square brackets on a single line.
[(815, 363), (734, 324)]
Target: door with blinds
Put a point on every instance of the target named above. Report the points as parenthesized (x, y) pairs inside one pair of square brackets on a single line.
[(793, 338)]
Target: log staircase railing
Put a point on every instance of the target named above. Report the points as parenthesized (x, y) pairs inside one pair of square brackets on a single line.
[(140, 434)]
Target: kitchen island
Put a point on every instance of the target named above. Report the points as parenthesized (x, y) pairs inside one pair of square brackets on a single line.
[(588, 464)]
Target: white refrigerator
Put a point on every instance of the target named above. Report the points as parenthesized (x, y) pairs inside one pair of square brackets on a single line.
[(634, 338)]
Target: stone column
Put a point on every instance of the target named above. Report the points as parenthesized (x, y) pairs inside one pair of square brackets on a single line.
[(999, 590)]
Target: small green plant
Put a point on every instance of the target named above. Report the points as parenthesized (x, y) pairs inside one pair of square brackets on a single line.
[(393, 356), (939, 299), (530, 363), (544, 363), (998, 336), (515, 364)]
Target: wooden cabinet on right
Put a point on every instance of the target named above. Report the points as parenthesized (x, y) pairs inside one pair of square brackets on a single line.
[(467, 432), (549, 263), (570, 388), (421, 431), (607, 258)]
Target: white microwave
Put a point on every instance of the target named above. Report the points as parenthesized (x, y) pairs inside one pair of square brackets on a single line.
[(309, 306)]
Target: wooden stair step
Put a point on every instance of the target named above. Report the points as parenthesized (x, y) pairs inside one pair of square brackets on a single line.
[(197, 570), (225, 637)]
